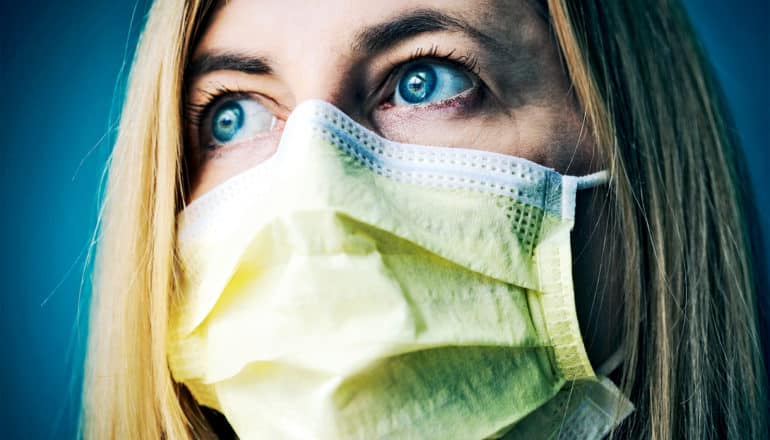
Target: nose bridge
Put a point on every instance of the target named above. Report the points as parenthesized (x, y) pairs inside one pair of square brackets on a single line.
[(327, 80), (326, 89), (324, 70)]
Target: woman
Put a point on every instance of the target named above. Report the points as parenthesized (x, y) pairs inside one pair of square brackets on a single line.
[(662, 262)]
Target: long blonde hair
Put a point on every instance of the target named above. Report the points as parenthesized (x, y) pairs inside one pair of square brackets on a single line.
[(693, 365)]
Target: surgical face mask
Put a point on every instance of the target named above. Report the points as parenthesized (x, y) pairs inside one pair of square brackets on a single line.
[(351, 287)]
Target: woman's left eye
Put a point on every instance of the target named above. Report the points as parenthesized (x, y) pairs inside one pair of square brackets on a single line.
[(430, 82)]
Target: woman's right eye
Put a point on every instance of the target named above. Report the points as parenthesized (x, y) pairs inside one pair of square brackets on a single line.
[(235, 120)]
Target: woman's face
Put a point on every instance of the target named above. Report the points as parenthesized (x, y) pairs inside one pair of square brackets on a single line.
[(464, 73)]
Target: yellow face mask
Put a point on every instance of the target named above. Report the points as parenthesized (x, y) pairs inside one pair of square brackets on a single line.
[(350, 287)]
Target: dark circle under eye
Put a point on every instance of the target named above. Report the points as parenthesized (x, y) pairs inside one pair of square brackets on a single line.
[(227, 121), (417, 84)]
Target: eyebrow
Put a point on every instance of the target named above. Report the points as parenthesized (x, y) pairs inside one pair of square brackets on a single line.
[(370, 40), (383, 36), (210, 62)]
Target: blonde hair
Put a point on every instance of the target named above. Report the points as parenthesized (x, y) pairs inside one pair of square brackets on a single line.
[(693, 365)]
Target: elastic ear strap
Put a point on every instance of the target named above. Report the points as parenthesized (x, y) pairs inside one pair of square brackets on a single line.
[(592, 180), (612, 363)]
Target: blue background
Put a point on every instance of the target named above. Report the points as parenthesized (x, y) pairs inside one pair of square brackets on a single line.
[(62, 74)]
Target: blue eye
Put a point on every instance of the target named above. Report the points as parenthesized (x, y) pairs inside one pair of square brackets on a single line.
[(237, 119), (227, 121), (425, 83)]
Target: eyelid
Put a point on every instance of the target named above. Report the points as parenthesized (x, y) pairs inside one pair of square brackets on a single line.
[(385, 87), (449, 82), (197, 113)]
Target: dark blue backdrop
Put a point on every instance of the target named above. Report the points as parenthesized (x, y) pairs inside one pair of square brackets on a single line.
[(58, 74)]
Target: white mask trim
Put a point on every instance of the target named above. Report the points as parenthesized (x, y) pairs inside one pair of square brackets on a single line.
[(448, 167)]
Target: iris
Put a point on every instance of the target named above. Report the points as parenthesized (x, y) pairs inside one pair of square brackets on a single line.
[(417, 84), (227, 121)]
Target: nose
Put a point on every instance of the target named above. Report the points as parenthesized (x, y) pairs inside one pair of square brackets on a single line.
[(334, 79)]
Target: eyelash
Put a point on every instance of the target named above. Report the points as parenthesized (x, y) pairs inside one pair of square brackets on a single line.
[(468, 62), (196, 113)]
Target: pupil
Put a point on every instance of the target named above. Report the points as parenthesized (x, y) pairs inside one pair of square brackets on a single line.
[(419, 84), (227, 121)]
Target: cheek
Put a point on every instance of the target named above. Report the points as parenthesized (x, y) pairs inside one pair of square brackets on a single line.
[(229, 161), (553, 136)]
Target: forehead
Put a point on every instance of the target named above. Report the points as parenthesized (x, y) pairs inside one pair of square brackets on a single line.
[(332, 27)]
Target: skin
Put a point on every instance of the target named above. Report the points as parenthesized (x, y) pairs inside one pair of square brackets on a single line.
[(521, 104)]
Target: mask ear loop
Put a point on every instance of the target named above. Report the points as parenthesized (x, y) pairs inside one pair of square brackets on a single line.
[(620, 406), (592, 180), (585, 182), (611, 363)]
